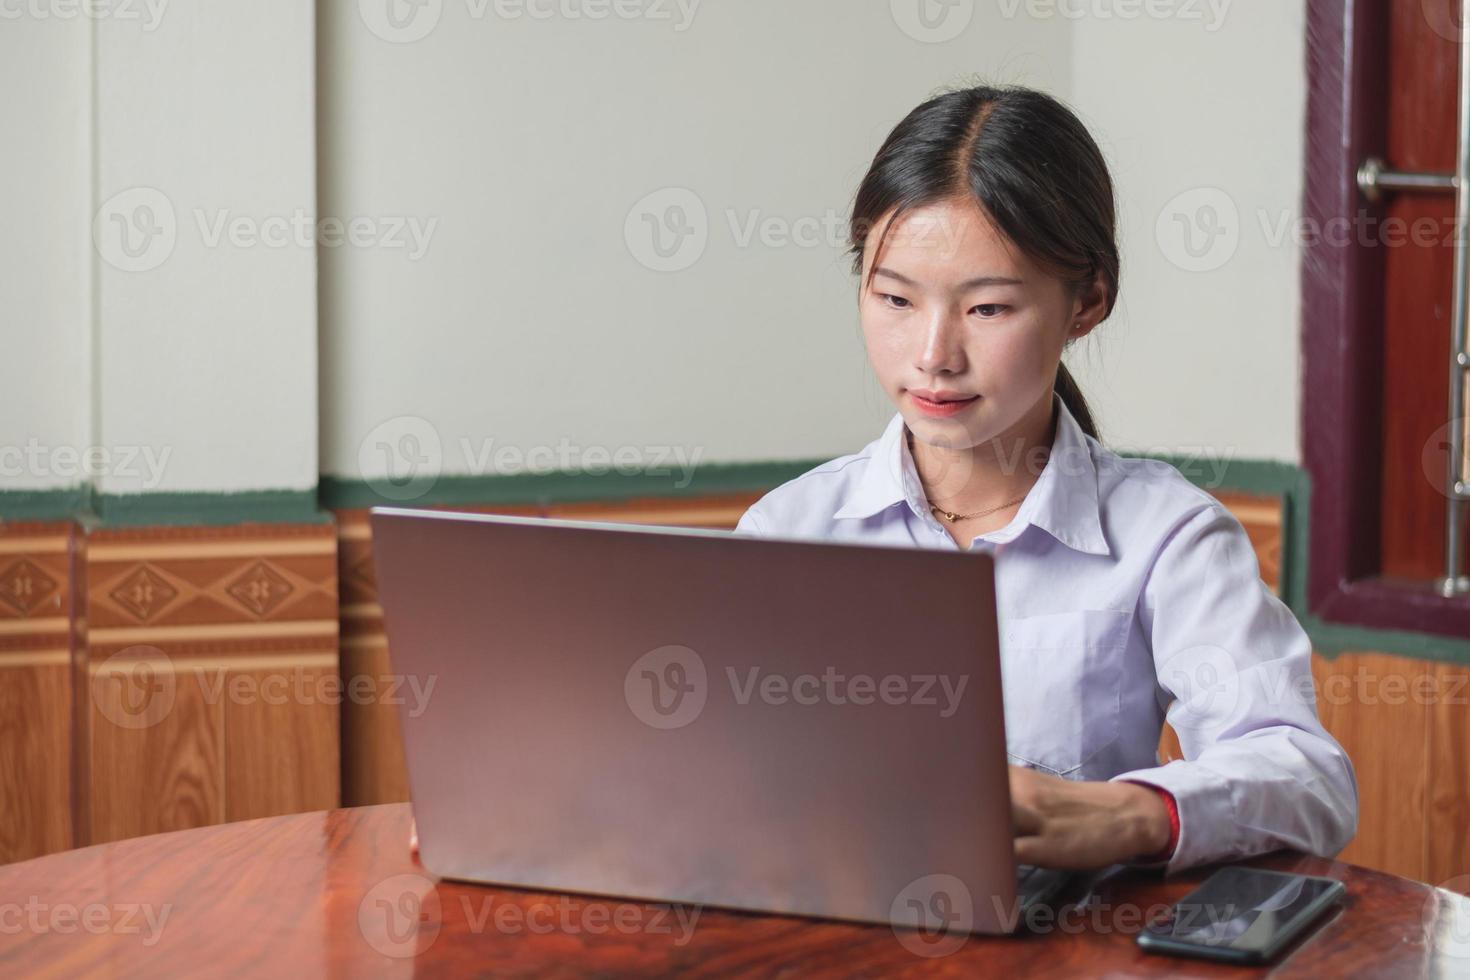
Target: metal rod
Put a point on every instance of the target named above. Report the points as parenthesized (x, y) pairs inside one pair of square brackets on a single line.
[(1458, 478), (1375, 177)]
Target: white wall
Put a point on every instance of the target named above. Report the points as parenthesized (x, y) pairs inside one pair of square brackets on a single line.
[(498, 284), (530, 320), (167, 359), (207, 340), (1199, 118), (44, 252)]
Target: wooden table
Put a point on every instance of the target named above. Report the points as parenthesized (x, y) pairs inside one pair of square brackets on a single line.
[(337, 894)]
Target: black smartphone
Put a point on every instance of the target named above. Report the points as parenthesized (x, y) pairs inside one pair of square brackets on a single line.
[(1241, 915)]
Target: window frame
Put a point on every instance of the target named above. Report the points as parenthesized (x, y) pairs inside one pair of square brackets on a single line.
[(1342, 291)]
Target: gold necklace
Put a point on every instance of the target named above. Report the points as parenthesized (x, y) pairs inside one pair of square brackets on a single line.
[(950, 515)]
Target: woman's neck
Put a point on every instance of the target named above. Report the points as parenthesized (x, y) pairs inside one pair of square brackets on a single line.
[(989, 476)]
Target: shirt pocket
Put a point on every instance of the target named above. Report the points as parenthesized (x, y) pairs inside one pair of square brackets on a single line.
[(1062, 679)]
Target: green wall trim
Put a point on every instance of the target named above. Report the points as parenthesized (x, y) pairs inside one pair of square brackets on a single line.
[(209, 509), (61, 504), (564, 487), (87, 507)]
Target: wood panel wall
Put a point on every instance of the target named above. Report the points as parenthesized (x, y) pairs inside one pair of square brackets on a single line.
[(156, 679), (37, 596)]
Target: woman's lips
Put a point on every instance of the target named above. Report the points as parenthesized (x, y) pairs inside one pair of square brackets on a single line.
[(942, 409)]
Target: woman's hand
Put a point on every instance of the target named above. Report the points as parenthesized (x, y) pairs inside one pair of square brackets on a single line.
[(413, 837), (1063, 823)]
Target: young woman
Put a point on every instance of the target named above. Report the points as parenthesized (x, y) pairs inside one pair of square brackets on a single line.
[(983, 237)]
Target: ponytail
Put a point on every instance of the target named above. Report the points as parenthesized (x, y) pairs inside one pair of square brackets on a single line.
[(1066, 386)]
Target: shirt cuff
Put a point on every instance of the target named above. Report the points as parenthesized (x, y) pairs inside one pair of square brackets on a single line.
[(1163, 854), (1208, 828)]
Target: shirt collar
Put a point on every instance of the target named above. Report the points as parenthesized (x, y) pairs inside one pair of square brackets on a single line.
[(1062, 502)]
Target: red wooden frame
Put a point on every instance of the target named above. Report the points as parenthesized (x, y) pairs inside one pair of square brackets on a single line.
[(1342, 314)]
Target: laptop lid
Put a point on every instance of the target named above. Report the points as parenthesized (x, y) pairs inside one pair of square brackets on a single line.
[(692, 716)]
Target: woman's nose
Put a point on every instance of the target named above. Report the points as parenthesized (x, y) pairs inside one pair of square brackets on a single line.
[(942, 351)]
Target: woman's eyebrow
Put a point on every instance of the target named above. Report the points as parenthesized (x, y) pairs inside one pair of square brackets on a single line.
[(967, 284)]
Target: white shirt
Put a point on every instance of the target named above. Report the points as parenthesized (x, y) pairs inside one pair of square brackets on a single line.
[(1125, 595)]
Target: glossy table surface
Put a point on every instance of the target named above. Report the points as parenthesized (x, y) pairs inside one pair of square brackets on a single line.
[(338, 894)]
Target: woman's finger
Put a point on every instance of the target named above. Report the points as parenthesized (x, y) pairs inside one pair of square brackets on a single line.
[(1032, 850), (1024, 820)]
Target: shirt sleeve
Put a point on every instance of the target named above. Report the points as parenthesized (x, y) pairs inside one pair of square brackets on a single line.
[(1259, 771), (750, 523)]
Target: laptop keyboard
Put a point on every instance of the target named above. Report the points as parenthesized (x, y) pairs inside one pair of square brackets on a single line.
[(1034, 885)]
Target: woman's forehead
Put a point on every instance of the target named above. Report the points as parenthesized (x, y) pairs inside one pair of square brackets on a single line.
[(947, 240)]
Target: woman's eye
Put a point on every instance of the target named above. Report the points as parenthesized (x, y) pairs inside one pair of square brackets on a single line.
[(897, 302), (989, 311)]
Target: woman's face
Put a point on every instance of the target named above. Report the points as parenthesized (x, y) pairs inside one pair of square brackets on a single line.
[(964, 332)]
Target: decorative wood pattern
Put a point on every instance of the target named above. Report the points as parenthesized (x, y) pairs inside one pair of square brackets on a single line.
[(338, 894), (212, 676), (36, 640)]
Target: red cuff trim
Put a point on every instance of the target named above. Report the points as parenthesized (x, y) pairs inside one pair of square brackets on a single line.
[(1167, 852)]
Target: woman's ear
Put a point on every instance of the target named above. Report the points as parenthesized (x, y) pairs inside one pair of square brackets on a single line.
[(1088, 309)]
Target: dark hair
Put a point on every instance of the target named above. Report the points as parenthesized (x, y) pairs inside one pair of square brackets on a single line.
[(1029, 163)]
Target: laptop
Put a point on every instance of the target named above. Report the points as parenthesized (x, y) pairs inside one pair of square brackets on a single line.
[(696, 717)]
